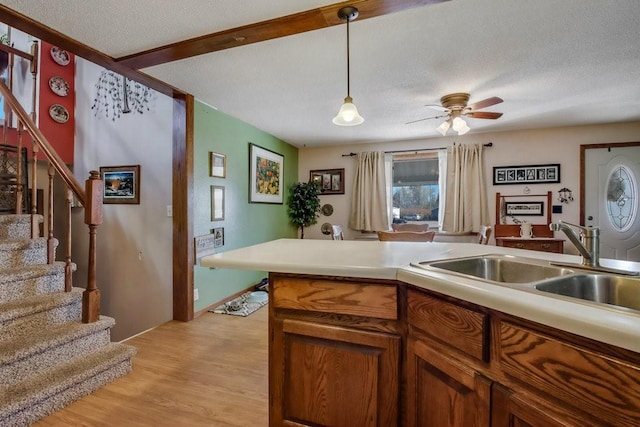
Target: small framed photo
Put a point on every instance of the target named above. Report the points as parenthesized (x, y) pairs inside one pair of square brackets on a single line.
[(524, 208), (121, 184), (217, 203), (217, 165), (331, 181), (218, 236), (266, 170)]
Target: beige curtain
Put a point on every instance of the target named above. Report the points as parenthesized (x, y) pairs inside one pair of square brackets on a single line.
[(369, 202), (466, 197)]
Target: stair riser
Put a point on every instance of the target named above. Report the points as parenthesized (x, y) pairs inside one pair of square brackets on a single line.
[(15, 290), (54, 356), (19, 258), (25, 325), (15, 231), (58, 401)]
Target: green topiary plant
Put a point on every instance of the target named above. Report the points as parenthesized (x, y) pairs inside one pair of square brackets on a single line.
[(303, 205)]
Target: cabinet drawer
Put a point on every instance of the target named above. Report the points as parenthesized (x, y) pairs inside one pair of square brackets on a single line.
[(341, 297), (542, 246), (595, 383), (464, 329)]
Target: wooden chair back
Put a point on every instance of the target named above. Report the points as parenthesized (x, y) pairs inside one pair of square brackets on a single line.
[(410, 227), (484, 234), (406, 236)]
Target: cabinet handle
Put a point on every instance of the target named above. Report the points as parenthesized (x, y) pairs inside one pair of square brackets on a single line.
[(519, 245), (546, 246)]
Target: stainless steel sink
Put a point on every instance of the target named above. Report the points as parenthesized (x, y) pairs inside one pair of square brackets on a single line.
[(607, 289), (499, 268)]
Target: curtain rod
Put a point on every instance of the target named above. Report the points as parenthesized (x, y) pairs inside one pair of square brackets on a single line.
[(489, 144)]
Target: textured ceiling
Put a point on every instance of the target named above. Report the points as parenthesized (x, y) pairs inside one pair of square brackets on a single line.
[(554, 62)]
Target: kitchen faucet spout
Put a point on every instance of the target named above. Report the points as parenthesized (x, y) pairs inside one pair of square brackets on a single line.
[(588, 243)]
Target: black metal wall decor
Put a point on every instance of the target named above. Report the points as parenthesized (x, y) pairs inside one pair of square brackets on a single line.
[(526, 174)]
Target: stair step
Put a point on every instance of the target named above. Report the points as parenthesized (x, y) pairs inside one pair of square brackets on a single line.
[(20, 357), (28, 315), (23, 282), (17, 226), (54, 388), (20, 252)]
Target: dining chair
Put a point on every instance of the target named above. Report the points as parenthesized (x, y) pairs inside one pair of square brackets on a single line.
[(337, 232), (484, 234), (410, 227), (406, 236)]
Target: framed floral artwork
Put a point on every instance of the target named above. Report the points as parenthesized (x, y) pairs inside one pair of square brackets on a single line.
[(265, 175)]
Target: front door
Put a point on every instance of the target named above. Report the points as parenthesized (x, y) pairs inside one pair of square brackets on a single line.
[(611, 179)]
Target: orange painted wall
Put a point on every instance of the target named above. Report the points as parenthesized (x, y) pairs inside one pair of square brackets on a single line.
[(60, 135)]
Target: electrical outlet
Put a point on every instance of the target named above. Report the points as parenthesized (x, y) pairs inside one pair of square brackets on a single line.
[(169, 210), (196, 295)]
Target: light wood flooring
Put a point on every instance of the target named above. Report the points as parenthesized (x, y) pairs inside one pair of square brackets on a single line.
[(208, 372)]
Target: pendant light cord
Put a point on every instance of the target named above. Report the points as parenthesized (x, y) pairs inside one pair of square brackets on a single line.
[(348, 62)]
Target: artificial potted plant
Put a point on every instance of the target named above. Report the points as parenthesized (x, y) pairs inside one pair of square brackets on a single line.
[(303, 205)]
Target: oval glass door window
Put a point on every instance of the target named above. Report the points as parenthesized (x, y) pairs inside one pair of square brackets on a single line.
[(622, 198)]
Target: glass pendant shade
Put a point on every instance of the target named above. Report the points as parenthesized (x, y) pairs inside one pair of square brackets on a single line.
[(348, 114), (463, 129), (444, 127)]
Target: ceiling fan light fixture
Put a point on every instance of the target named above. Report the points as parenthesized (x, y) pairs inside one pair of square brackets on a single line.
[(463, 129), (458, 124), (348, 114), (444, 127)]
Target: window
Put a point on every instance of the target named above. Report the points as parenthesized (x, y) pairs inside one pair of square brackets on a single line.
[(621, 198), (415, 188)]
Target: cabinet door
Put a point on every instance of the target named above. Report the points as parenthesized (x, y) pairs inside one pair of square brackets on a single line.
[(333, 376), (443, 392), (511, 409)]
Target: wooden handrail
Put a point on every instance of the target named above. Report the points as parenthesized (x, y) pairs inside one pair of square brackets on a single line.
[(10, 49), (41, 140)]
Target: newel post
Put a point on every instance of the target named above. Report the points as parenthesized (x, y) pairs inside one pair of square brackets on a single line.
[(93, 218)]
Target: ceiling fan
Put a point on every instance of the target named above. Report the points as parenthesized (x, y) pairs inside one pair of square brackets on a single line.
[(454, 106)]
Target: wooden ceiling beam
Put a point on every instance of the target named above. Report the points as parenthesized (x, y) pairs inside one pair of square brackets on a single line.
[(297, 23)]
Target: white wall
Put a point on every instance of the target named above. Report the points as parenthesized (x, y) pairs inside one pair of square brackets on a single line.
[(135, 241), (557, 145)]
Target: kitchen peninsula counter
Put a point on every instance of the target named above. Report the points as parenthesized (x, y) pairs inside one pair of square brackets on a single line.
[(391, 260), (359, 336)]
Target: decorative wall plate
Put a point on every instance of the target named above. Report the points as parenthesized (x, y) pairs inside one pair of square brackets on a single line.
[(61, 56), (58, 113), (59, 86), (326, 228), (327, 209)]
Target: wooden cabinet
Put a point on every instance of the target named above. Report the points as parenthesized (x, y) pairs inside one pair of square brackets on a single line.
[(349, 352), (535, 244), (334, 353)]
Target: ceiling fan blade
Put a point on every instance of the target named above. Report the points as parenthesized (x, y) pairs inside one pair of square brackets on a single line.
[(436, 107), (485, 103), (426, 118), (484, 115)]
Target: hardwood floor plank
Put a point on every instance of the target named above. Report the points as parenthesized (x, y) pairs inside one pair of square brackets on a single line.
[(211, 371)]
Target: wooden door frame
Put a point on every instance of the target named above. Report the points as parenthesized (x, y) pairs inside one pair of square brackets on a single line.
[(583, 149)]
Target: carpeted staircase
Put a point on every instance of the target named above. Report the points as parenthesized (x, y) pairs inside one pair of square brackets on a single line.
[(48, 357)]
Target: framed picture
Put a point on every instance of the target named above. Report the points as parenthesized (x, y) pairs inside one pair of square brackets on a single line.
[(265, 175), (217, 165), (121, 184), (524, 208), (203, 246), (218, 235), (526, 174), (217, 203), (331, 180)]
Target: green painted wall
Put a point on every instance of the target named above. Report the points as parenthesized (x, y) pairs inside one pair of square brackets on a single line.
[(244, 223)]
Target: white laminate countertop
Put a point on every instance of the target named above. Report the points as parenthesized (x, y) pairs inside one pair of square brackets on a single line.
[(391, 260)]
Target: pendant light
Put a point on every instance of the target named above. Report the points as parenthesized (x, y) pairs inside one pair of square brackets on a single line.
[(348, 114)]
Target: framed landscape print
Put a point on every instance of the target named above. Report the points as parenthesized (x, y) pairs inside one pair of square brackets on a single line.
[(265, 175), (526, 174), (217, 165), (331, 180), (121, 184)]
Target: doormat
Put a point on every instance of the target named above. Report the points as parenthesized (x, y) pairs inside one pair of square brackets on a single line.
[(244, 305)]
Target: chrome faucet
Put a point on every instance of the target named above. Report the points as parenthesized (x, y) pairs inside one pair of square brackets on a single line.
[(588, 243)]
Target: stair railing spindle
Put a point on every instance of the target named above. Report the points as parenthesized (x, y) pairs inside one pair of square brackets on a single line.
[(68, 270), (35, 227), (51, 248)]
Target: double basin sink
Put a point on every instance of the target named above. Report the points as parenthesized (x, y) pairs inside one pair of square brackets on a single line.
[(533, 274)]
